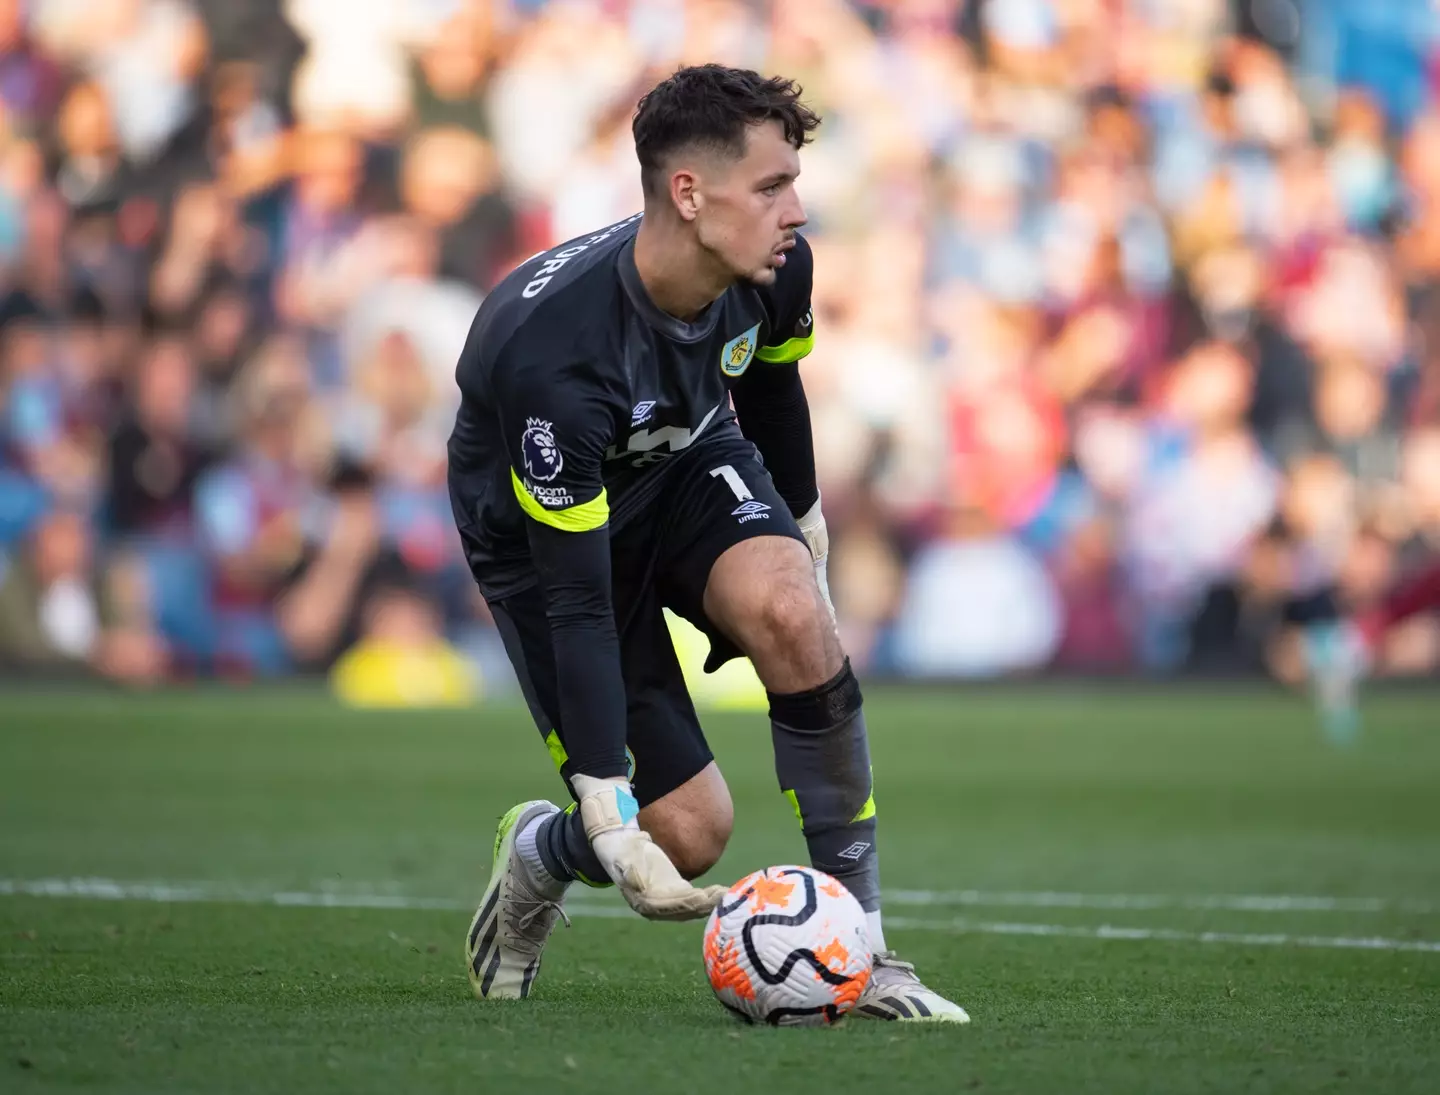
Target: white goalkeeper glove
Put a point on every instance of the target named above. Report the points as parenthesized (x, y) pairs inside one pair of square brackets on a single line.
[(636, 864), (818, 537)]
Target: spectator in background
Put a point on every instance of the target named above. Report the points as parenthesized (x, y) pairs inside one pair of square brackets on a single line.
[(1420, 473), (51, 610), (449, 183), (977, 604), (319, 215), (1238, 626), (92, 169), (156, 457), (867, 577), (56, 615), (47, 429), (30, 78), (244, 145), (315, 612), (1148, 298), (253, 511), (204, 243), (146, 55), (406, 296), (406, 424), (1192, 517), (1096, 633), (225, 332), (154, 460), (448, 73), (355, 75), (401, 658)]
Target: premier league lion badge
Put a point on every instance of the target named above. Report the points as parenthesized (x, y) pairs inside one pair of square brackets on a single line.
[(542, 456)]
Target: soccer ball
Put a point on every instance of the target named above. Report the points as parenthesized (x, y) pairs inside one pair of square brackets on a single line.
[(788, 945)]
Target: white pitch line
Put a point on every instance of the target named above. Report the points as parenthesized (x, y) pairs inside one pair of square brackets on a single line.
[(390, 896), (106, 889), (190, 893), (1264, 903), (962, 926)]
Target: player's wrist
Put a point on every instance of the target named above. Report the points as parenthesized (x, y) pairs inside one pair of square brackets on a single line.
[(607, 804), (813, 516), (812, 526)]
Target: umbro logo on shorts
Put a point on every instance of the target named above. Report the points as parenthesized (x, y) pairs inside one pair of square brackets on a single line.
[(751, 511)]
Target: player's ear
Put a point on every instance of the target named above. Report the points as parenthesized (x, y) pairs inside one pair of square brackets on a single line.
[(685, 193)]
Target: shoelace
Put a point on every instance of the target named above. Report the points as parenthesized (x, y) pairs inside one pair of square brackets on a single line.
[(534, 909), (906, 970)]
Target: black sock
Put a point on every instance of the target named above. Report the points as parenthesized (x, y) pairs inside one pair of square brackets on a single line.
[(566, 851)]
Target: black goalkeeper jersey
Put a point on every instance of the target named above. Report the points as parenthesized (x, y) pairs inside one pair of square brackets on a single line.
[(578, 393)]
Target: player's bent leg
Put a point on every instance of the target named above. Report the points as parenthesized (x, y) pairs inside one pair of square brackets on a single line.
[(692, 823), (762, 592)]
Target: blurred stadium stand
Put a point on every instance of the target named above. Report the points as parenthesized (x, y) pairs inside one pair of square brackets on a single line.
[(1127, 315)]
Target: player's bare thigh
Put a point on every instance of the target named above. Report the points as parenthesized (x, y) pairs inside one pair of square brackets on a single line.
[(692, 823), (762, 594)]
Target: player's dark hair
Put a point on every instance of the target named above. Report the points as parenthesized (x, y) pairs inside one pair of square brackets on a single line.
[(712, 106)]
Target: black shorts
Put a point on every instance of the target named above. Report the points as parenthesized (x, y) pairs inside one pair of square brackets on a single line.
[(660, 560)]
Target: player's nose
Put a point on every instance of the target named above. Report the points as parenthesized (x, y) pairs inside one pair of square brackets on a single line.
[(795, 212)]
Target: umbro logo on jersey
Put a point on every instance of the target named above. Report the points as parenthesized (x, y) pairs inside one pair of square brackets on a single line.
[(751, 511), (642, 412)]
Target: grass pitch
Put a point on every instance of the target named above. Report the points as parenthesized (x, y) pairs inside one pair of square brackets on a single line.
[(1131, 891)]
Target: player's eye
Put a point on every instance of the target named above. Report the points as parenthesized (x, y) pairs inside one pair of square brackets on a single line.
[(772, 189)]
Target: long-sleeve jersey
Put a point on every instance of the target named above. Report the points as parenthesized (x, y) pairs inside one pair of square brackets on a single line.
[(578, 393)]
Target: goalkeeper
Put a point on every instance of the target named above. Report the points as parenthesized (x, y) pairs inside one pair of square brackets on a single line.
[(599, 474)]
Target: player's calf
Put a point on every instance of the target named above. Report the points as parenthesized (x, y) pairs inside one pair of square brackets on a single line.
[(763, 593)]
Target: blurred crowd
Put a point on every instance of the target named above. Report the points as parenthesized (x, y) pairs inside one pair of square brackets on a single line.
[(1128, 330)]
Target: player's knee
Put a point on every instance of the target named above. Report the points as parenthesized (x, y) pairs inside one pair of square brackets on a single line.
[(703, 847), (692, 824), (696, 843)]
